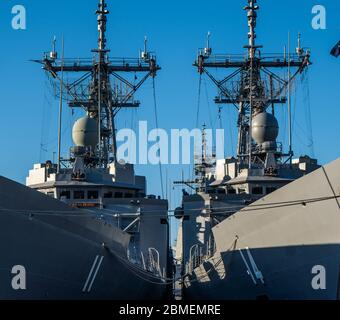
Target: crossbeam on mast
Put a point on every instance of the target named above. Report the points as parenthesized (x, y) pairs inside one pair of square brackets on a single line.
[(95, 92), (252, 86)]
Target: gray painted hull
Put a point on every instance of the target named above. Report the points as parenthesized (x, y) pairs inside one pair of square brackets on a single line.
[(285, 237), (66, 256)]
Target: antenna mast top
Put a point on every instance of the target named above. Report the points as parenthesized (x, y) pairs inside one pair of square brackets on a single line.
[(102, 12), (252, 16)]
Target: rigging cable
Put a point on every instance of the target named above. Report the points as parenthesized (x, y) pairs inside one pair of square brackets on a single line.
[(208, 103), (219, 210), (308, 115), (230, 125), (157, 127), (198, 100), (192, 170), (297, 126), (46, 106)]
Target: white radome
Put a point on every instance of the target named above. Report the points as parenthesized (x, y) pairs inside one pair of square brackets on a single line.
[(265, 128), (85, 132)]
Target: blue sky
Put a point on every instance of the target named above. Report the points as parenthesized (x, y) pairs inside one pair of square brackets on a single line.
[(175, 29)]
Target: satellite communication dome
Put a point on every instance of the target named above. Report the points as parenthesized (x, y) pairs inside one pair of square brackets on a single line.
[(85, 132), (265, 128)]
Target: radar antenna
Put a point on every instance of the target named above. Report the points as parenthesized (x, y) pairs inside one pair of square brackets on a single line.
[(252, 87), (101, 86)]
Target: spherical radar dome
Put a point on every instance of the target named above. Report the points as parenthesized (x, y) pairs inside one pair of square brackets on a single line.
[(265, 128), (85, 132)]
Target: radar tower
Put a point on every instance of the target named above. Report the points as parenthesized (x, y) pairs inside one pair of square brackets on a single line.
[(252, 87), (101, 88)]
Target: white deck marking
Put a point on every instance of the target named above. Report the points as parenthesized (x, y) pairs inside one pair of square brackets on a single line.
[(256, 270), (247, 266), (95, 274), (89, 276)]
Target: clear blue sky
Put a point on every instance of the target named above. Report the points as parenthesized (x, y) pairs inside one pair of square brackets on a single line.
[(175, 29)]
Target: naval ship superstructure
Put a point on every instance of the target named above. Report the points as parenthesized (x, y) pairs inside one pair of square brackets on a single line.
[(261, 225), (88, 228)]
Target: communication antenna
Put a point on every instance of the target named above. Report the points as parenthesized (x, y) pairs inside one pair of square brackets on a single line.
[(145, 55), (53, 53), (299, 49), (207, 49)]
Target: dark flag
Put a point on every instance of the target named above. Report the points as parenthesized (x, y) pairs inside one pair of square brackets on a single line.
[(336, 50)]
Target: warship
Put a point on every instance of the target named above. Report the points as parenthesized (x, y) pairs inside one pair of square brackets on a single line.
[(84, 227), (263, 224)]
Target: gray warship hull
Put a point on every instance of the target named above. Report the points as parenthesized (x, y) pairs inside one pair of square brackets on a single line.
[(66, 253), (284, 246)]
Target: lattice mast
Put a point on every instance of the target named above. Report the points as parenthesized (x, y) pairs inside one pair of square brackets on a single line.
[(93, 90), (252, 87)]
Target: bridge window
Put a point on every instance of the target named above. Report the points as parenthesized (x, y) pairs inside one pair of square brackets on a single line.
[(92, 194), (108, 194), (79, 194), (257, 190), (118, 194)]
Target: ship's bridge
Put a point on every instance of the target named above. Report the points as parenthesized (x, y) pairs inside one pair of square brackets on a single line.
[(100, 185), (230, 178)]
